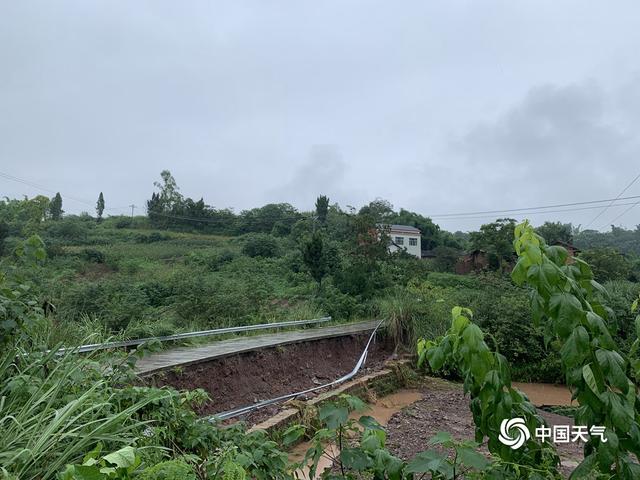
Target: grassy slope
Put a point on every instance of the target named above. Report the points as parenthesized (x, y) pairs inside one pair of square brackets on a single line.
[(118, 280)]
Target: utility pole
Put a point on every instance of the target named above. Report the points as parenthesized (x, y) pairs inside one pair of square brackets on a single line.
[(132, 208)]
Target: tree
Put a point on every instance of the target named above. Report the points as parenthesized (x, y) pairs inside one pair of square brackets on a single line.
[(322, 208), (314, 257), (380, 210), (169, 195), (55, 207), (496, 239), (556, 232), (276, 218), (431, 235), (445, 259), (100, 206), (607, 264), (4, 233)]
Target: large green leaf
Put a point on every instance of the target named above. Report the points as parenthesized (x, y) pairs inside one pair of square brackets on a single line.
[(355, 458), (429, 461), (436, 358), (576, 347), (613, 366), (293, 434), (333, 416), (123, 458), (471, 458), (590, 379), (567, 310)]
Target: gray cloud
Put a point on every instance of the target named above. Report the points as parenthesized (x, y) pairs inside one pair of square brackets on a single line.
[(322, 173), (436, 106), (560, 143)]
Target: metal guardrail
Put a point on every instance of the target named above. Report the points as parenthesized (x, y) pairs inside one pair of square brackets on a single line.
[(250, 408), (180, 336)]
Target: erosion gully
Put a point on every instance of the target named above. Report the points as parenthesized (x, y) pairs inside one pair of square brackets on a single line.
[(410, 415)]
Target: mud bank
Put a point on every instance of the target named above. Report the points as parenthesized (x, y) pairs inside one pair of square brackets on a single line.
[(239, 380)]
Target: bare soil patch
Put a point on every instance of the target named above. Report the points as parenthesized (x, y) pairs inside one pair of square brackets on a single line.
[(443, 407), (239, 380)]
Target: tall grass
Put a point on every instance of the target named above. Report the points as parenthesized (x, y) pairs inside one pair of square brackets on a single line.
[(54, 409), (401, 311)]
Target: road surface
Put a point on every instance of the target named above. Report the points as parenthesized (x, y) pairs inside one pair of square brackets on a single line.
[(182, 356)]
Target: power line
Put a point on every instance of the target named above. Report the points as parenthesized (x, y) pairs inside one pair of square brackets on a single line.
[(619, 195), (590, 202), (522, 214), (622, 214), (45, 189), (544, 209)]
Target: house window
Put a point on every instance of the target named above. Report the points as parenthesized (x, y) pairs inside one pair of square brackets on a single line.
[(399, 240), (413, 242)]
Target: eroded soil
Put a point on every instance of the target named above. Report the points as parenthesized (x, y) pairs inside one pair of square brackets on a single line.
[(239, 380)]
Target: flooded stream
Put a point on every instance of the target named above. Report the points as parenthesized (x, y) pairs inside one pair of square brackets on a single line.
[(540, 394), (382, 410), (546, 394)]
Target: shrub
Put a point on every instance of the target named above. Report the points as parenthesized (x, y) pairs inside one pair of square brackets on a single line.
[(151, 238), (169, 470), (338, 305), (500, 307), (73, 229), (123, 223), (621, 293), (93, 255), (260, 245), (54, 249), (453, 280), (210, 260)]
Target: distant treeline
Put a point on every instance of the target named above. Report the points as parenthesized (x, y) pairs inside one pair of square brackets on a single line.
[(614, 254)]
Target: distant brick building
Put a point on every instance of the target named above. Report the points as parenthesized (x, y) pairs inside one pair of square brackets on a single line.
[(474, 261), (572, 249)]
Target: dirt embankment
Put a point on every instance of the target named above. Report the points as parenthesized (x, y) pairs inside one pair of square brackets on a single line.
[(239, 380)]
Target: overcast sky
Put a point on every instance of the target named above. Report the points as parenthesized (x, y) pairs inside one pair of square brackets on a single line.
[(438, 107)]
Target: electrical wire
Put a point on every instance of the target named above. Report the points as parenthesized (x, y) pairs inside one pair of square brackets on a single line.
[(538, 210), (6, 176), (612, 222), (590, 202), (612, 201)]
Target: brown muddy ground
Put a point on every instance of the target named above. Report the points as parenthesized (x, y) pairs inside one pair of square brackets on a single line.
[(243, 379), (443, 407)]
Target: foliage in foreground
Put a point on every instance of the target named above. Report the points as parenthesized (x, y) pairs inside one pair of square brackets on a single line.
[(601, 377), (487, 379), (597, 371)]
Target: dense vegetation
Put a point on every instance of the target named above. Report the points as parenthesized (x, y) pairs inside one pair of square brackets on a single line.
[(188, 266)]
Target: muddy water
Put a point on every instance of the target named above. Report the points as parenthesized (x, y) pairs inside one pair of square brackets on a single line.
[(540, 394), (382, 410), (546, 394)]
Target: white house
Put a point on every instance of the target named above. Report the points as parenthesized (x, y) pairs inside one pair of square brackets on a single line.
[(404, 237)]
